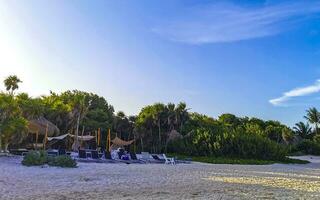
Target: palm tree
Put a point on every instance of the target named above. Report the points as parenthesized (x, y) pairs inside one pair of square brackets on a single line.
[(171, 116), (182, 115), (158, 116), (313, 116), (11, 83), (302, 129), (120, 123)]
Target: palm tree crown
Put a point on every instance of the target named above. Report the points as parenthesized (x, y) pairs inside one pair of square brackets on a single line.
[(302, 129), (313, 116)]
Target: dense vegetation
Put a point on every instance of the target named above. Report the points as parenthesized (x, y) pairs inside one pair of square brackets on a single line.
[(158, 127)]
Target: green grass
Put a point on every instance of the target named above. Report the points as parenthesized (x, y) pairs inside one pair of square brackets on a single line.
[(238, 161)]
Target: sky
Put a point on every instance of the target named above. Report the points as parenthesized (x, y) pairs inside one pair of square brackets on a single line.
[(251, 58)]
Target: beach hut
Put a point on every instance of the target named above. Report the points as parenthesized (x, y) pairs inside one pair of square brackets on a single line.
[(38, 130), (67, 141)]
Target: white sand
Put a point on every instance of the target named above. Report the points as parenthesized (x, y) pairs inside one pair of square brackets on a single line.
[(159, 181)]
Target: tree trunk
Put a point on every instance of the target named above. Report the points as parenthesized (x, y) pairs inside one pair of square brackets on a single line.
[(6, 145), (0, 144), (141, 144), (75, 145)]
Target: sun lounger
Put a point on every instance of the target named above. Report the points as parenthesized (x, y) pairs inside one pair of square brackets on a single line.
[(156, 157), (82, 154), (95, 155), (133, 156), (107, 155), (168, 160), (53, 152)]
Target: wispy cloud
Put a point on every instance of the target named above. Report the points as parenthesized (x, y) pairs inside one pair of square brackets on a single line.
[(297, 92), (228, 22)]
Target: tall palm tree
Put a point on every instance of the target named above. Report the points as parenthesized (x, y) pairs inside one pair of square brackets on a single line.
[(171, 115), (302, 129), (11, 83), (182, 115), (313, 116)]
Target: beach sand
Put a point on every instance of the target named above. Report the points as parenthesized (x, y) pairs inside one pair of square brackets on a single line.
[(159, 181)]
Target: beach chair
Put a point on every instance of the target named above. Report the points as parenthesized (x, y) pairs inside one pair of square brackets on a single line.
[(95, 155), (53, 152), (133, 156), (168, 160), (107, 155), (82, 154), (157, 158), (120, 154)]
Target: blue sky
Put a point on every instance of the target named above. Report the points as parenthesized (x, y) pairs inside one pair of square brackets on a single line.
[(256, 59)]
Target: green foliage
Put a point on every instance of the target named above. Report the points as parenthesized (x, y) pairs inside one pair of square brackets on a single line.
[(38, 158), (11, 83), (309, 147), (313, 116), (303, 130), (12, 122), (35, 158), (155, 122), (62, 161), (237, 161), (241, 138)]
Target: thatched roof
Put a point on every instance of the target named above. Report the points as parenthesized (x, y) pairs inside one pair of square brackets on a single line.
[(117, 143), (174, 135), (120, 142), (40, 125), (80, 138)]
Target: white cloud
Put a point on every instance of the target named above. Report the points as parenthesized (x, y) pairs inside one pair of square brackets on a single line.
[(297, 92), (228, 22)]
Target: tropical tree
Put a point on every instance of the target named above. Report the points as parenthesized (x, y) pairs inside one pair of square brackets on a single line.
[(182, 115), (12, 83), (303, 130), (313, 116), (121, 124), (31, 108), (11, 120)]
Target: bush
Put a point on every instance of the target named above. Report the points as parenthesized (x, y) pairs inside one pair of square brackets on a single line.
[(235, 143), (62, 161), (309, 147), (245, 145), (35, 158)]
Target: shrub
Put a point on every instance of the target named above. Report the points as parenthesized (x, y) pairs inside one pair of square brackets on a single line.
[(35, 158), (309, 147), (243, 145), (62, 161), (236, 143)]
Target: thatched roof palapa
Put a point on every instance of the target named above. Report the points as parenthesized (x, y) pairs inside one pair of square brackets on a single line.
[(117, 143), (40, 126)]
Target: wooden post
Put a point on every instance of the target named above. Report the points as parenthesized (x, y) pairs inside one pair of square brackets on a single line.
[(99, 136), (96, 134)]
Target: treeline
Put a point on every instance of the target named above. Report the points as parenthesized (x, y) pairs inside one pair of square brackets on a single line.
[(157, 128)]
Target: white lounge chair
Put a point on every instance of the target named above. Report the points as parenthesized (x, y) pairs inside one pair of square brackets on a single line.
[(169, 160)]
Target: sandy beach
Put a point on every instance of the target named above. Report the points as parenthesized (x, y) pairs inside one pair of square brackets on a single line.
[(159, 181)]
